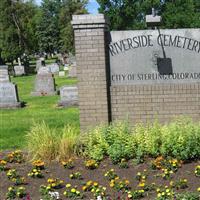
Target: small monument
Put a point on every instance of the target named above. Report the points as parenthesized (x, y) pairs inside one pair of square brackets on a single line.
[(44, 83), (68, 96), (38, 64), (72, 71), (8, 91), (19, 69), (61, 73), (54, 68)]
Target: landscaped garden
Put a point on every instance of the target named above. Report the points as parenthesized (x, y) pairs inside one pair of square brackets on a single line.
[(108, 162)]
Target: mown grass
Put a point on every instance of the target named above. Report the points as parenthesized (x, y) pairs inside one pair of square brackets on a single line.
[(14, 124)]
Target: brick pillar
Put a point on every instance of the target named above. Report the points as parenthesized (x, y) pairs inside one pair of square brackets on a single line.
[(90, 33)]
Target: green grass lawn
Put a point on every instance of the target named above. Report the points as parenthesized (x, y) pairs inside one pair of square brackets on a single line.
[(14, 124)]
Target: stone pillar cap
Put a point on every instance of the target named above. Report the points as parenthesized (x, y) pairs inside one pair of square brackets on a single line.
[(89, 21)]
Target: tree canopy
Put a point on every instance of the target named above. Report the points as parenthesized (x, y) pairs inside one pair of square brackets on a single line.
[(130, 14), (28, 28)]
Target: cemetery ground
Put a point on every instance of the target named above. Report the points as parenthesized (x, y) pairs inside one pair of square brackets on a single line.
[(15, 123)]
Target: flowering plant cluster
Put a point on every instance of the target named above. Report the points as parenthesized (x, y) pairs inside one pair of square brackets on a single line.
[(141, 176), (89, 185), (72, 192), (16, 178), (136, 194), (35, 173), (170, 164), (69, 164), (91, 164), (76, 175), (120, 185), (13, 192), (15, 157), (38, 164), (164, 193), (3, 165), (111, 174), (197, 170), (179, 184)]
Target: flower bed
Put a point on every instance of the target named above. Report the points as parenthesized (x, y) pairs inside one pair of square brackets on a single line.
[(159, 179)]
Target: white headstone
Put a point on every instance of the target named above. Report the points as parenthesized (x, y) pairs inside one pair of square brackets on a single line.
[(61, 73), (19, 70), (54, 68), (8, 91), (69, 96)]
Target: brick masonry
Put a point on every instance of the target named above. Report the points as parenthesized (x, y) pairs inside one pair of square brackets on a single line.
[(90, 32), (100, 103), (144, 103)]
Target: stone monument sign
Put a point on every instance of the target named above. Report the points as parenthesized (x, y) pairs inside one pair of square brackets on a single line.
[(145, 75), (44, 83), (8, 91)]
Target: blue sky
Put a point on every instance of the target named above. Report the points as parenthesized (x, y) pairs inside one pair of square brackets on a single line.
[(92, 6)]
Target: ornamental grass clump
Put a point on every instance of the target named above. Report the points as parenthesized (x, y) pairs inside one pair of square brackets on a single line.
[(68, 142), (43, 142)]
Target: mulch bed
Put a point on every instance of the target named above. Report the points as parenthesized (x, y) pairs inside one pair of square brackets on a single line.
[(56, 170)]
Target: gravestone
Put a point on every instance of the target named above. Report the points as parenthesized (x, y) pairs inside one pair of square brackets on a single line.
[(8, 91), (54, 68), (61, 73), (19, 70), (38, 64), (68, 96), (72, 71), (44, 83), (66, 67)]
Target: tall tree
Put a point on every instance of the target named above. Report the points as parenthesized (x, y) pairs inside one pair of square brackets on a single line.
[(48, 28), (15, 22), (69, 8), (130, 14)]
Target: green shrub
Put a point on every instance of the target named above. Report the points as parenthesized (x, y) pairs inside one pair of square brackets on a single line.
[(42, 142), (187, 196), (95, 144), (181, 139)]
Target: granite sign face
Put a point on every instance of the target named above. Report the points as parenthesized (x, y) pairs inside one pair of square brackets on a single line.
[(155, 56), (69, 96), (8, 90), (44, 83)]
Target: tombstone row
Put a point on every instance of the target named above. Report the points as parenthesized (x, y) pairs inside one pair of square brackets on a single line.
[(44, 86)]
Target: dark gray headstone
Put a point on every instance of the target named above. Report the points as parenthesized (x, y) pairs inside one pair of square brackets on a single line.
[(44, 83), (68, 96), (8, 90), (19, 70)]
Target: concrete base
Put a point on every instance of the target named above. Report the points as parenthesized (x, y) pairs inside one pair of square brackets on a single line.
[(10, 105), (40, 93), (68, 104)]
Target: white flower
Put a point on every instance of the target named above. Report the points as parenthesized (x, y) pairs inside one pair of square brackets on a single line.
[(54, 195), (99, 198)]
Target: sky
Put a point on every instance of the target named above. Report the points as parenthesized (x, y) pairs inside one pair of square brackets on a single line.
[(92, 6)]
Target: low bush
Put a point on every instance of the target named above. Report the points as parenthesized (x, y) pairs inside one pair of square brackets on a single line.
[(179, 139)]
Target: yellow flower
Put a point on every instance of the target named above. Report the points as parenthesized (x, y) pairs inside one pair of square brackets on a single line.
[(84, 188), (68, 185), (73, 190), (112, 184), (198, 189), (50, 180), (89, 183), (95, 184), (53, 185), (159, 195), (77, 192), (141, 184), (130, 195), (10, 188), (65, 193)]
